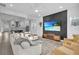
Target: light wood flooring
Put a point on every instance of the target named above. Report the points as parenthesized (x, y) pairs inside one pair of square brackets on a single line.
[(5, 47)]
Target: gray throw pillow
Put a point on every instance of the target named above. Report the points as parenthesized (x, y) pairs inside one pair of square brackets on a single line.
[(18, 41), (25, 45)]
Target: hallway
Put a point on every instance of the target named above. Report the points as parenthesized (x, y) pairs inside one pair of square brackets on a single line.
[(5, 47)]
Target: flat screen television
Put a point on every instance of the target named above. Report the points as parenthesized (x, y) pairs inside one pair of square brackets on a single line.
[(54, 25)]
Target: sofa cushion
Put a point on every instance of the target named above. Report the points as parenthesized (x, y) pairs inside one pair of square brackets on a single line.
[(36, 42)]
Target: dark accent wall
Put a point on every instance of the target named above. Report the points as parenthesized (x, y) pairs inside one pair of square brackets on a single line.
[(62, 16)]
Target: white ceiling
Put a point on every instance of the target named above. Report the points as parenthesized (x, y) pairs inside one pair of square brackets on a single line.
[(43, 8)]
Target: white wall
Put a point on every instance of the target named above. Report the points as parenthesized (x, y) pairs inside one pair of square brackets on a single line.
[(72, 12), (35, 27)]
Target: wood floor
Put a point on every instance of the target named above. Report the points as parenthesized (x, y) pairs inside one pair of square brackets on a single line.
[(5, 47)]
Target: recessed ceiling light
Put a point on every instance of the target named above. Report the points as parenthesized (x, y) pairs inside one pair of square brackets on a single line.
[(61, 7), (36, 10), (11, 5)]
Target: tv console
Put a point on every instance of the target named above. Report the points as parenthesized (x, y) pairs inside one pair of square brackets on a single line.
[(52, 37)]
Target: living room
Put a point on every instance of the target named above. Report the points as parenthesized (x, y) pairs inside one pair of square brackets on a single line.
[(39, 28)]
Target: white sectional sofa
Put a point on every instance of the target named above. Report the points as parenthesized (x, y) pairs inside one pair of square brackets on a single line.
[(24, 48)]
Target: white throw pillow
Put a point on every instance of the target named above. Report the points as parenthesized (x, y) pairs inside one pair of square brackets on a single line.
[(26, 35), (31, 38), (22, 35), (35, 37), (25, 45)]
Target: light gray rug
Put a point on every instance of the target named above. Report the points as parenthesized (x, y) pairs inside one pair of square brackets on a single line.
[(49, 45)]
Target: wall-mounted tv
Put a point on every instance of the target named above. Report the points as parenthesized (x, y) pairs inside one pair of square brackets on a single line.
[(54, 25)]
